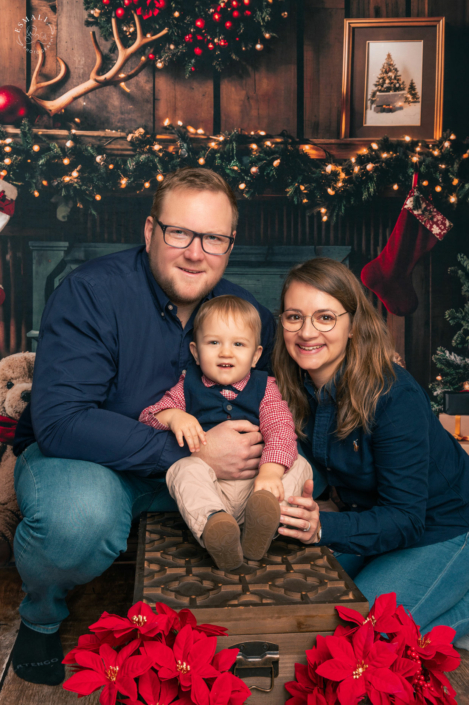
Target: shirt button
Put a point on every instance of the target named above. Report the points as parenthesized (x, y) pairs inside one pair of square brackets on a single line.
[(170, 307), (228, 407), (354, 506), (162, 313)]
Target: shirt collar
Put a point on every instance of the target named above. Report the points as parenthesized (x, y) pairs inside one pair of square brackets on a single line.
[(329, 391), (237, 385)]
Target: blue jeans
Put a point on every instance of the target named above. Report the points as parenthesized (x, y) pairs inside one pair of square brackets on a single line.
[(432, 582), (77, 518)]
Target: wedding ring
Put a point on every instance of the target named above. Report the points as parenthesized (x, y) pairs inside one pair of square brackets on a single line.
[(308, 527)]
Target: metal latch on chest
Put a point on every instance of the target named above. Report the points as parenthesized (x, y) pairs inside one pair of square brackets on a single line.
[(257, 658)]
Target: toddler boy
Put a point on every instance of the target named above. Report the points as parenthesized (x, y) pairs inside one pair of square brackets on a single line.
[(222, 385)]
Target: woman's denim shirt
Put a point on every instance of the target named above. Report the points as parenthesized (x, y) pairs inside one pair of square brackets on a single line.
[(404, 484)]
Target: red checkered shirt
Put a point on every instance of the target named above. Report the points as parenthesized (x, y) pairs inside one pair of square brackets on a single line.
[(275, 420)]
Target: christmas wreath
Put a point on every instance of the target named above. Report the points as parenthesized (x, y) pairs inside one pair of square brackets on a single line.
[(200, 33)]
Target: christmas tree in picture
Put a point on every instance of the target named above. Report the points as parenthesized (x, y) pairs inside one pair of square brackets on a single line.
[(454, 368), (412, 93), (389, 80)]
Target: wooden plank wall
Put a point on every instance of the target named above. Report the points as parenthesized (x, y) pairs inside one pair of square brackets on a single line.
[(296, 87)]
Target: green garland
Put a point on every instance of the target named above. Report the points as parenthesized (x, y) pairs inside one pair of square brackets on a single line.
[(253, 164), (201, 33)]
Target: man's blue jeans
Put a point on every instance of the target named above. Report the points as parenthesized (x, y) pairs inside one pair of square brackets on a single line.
[(431, 582), (77, 518)]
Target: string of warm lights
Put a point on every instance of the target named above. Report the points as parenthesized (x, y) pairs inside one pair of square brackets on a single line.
[(253, 163)]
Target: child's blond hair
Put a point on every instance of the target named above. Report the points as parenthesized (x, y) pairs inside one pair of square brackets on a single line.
[(229, 305)]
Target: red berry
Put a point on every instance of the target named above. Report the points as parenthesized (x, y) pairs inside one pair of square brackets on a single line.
[(228, 24), (152, 57), (247, 12), (120, 12), (223, 43), (127, 2), (236, 13), (188, 38), (211, 46), (199, 37), (198, 51), (216, 17), (234, 3), (246, 2), (192, 69), (106, 2), (200, 23)]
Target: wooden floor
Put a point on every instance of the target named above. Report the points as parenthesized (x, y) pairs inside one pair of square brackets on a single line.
[(112, 592)]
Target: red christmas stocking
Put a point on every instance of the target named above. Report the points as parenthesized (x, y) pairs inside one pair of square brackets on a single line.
[(389, 276)]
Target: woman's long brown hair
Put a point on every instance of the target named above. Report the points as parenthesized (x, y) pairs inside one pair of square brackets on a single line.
[(368, 370)]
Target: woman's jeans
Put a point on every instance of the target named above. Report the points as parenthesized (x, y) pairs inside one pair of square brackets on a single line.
[(77, 518), (431, 582)]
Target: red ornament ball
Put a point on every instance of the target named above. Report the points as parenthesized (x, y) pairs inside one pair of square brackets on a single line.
[(216, 16), (188, 38), (14, 104), (236, 14), (198, 51), (106, 2), (200, 23), (127, 2), (120, 12), (234, 3), (246, 2), (228, 24), (152, 57)]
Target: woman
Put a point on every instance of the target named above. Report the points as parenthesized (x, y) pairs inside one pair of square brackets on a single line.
[(400, 480)]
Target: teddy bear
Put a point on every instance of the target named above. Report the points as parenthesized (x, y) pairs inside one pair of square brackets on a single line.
[(16, 377)]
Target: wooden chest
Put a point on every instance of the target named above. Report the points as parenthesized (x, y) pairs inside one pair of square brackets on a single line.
[(280, 603)]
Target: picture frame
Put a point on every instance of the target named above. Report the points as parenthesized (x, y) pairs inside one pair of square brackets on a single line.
[(392, 80)]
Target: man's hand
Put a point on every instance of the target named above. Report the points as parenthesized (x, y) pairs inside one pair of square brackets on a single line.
[(269, 479), (184, 426), (233, 450)]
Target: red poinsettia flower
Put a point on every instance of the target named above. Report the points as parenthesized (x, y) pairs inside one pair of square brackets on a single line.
[(382, 615), (189, 660), (115, 671), (187, 617), (361, 666), (140, 617), (153, 691)]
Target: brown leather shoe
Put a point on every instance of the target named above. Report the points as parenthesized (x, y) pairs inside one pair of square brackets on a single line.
[(261, 521), (221, 538)]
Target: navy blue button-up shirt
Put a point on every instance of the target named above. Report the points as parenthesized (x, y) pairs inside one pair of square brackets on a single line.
[(110, 344), (404, 484)]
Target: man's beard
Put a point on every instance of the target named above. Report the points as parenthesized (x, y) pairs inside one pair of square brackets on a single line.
[(173, 294)]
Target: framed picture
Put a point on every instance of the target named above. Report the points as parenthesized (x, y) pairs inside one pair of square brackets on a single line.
[(392, 80)]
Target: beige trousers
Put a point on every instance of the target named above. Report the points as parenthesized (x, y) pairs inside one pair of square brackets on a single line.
[(198, 492)]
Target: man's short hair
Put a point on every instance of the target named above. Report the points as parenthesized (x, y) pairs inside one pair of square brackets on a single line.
[(199, 180), (229, 305)]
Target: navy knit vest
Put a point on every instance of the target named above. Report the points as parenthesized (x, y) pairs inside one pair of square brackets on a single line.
[(211, 408)]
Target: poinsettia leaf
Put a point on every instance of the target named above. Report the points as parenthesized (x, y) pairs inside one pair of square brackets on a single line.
[(85, 682), (385, 680), (303, 677), (212, 629), (183, 643), (335, 670), (316, 698), (239, 691), (137, 665), (169, 690), (141, 609), (187, 617), (377, 697), (88, 659), (127, 651), (384, 605), (382, 655), (341, 649), (351, 690), (200, 692), (224, 659), (362, 641), (161, 655), (404, 667), (349, 615), (149, 686), (203, 655), (221, 690), (109, 695), (296, 689)]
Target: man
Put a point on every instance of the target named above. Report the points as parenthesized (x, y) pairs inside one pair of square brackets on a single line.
[(114, 337)]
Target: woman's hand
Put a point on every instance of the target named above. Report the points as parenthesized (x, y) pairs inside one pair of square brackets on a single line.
[(305, 515)]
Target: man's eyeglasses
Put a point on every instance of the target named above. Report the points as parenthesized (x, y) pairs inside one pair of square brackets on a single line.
[(182, 238), (323, 321)]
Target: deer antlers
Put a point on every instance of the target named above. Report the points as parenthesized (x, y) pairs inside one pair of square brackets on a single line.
[(112, 77)]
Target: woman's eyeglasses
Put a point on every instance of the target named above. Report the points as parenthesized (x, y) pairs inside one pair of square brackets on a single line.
[(323, 321)]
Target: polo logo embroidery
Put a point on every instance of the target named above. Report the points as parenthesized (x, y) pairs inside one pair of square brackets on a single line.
[(356, 446)]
